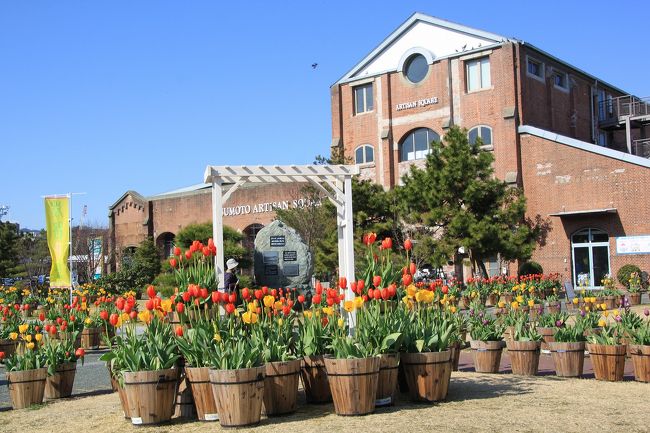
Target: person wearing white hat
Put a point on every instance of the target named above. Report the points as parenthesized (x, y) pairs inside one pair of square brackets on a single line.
[(230, 279)]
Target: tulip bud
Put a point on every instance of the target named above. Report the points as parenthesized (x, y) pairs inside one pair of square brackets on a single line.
[(408, 245)]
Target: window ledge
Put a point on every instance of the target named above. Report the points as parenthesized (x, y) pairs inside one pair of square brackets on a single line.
[(366, 164), (560, 88), (487, 147), (363, 113), (484, 89)]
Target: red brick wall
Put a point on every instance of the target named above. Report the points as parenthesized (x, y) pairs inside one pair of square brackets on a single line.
[(559, 178)]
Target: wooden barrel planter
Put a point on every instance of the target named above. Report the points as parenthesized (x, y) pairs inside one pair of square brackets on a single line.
[(281, 387), (506, 298), (508, 333), (569, 358), (91, 337), (184, 407), (206, 406), (554, 307), (314, 380), (387, 382), (151, 395), (59, 385), (67, 336), (427, 375), (608, 361), (524, 357), (8, 347), (492, 300), (354, 384), (486, 355), (238, 394), (610, 302), (634, 298), (455, 349), (641, 361), (535, 311), (26, 387), (463, 304), (548, 335)]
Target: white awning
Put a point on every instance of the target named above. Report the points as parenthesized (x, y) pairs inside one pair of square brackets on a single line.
[(611, 210)]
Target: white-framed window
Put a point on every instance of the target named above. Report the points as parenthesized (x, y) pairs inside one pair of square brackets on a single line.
[(416, 68), (590, 254), (482, 132), (417, 144), (535, 68), (364, 154), (560, 80), (363, 100), (477, 73)]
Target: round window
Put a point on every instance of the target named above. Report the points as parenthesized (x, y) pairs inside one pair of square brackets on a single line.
[(416, 68)]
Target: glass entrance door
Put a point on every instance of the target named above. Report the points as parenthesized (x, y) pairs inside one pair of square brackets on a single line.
[(590, 254)]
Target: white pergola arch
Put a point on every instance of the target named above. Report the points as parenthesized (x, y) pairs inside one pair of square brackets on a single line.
[(227, 179)]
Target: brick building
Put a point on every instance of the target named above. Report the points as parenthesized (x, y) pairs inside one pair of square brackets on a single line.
[(576, 145), (133, 218)]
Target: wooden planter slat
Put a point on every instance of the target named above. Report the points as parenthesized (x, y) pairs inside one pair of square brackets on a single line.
[(427, 375), (281, 387), (238, 394), (354, 384)]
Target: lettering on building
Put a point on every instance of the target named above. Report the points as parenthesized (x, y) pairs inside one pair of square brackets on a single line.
[(416, 104), (246, 209)]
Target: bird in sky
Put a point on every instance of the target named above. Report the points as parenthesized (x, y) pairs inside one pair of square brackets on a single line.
[(314, 65)]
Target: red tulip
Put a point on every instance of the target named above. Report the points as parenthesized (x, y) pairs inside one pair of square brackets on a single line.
[(259, 294), (274, 293), (392, 291), (179, 331), (41, 317), (204, 293), (365, 298), (103, 315), (246, 293), (412, 268), (177, 251), (206, 251), (376, 281), (2, 355), (445, 289), (173, 263), (80, 353), (329, 301), (130, 301), (377, 294), (113, 319), (286, 310), (265, 290), (316, 299), (408, 245), (387, 243), (149, 304), (319, 288), (59, 320), (407, 279), (384, 294), (361, 284), (301, 299), (151, 291), (133, 315), (371, 293), (343, 282), (120, 303), (188, 254), (232, 298), (353, 286), (156, 303), (215, 297), (186, 296), (180, 307), (230, 308)]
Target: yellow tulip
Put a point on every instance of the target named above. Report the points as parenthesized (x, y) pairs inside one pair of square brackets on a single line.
[(358, 302), (328, 310), (514, 305), (307, 314), (144, 316), (575, 301), (28, 338), (602, 323), (217, 337), (502, 304), (411, 291), (249, 317), (13, 335), (280, 321), (349, 306), (88, 322), (452, 309), (407, 302), (520, 299), (38, 337), (605, 313), (615, 312), (277, 305), (268, 301), (30, 346), (252, 307), (23, 328), (341, 323), (586, 308), (531, 302), (166, 305)]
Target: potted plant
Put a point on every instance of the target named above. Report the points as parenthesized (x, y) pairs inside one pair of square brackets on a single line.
[(547, 324), (524, 349), (314, 343), (607, 353), (237, 369), (26, 369), (61, 360), (553, 303), (640, 349), (10, 323), (487, 343), (611, 295), (145, 365), (91, 336), (568, 350), (458, 342), (634, 288), (352, 370), (428, 334), (382, 328)]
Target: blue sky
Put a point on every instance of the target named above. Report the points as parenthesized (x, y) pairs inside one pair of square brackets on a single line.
[(105, 96)]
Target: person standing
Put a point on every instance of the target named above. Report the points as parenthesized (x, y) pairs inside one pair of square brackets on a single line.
[(230, 280)]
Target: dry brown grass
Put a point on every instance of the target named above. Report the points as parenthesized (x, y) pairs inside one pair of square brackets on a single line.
[(476, 403)]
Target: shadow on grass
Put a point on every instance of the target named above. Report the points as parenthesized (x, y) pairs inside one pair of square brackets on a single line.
[(483, 387)]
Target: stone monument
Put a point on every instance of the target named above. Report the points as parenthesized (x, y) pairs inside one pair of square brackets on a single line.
[(282, 258)]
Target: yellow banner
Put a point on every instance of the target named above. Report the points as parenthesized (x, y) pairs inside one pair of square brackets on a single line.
[(57, 221)]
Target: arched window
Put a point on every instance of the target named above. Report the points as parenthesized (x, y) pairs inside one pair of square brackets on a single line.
[(417, 144), (166, 244), (590, 253), (250, 233), (364, 154), (482, 132)]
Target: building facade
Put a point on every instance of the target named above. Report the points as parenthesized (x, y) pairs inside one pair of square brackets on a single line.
[(576, 145), (133, 217)]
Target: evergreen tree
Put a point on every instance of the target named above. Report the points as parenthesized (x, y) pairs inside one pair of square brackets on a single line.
[(9, 238), (456, 201)]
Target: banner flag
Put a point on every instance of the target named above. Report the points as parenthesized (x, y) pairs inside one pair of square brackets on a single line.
[(57, 221)]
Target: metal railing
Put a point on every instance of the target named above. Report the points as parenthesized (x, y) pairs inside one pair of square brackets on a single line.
[(641, 147), (621, 106)]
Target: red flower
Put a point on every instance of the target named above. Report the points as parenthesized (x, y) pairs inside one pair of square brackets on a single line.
[(149, 304), (151, 291), (384, 294), (274, 293), (103, 315), (120, 303), (316, 299), (353, 286), (246, 293), (113, 319), (329, 301), (80, 353), (392, 291), (41, 317), (408, 245), (180, 307), (215, 297), (407, 279), (265, 290), (179, 331), (343, 282), (445, 289), (2, 355), (230, 308), (376, 281), (173, 263), (177, 251), (319, 288), (301, 299), (203, 293), (259, 295), (361, 284), (371, 293), (188, 254), (133, 315), (232, 298), (412, 268), (377, 294), (59, 320), (186, 296), (286, 310)]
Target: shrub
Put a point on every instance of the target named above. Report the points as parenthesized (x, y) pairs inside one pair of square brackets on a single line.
[(623, 274), (529, 268), (165, 284)]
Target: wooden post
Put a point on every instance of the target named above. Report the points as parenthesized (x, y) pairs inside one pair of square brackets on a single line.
[(217, 228)]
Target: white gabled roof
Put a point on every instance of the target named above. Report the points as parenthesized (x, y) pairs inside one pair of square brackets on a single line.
[(436, 36)]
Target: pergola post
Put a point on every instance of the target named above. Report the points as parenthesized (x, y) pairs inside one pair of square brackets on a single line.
[(217, 228), (348, 245)]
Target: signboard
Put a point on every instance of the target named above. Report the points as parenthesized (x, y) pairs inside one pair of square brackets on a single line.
[(271, 270), (416, 104), (291, 270), (277, 241), (633, 245), (57, 221), (289, 256), (271, 257)]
